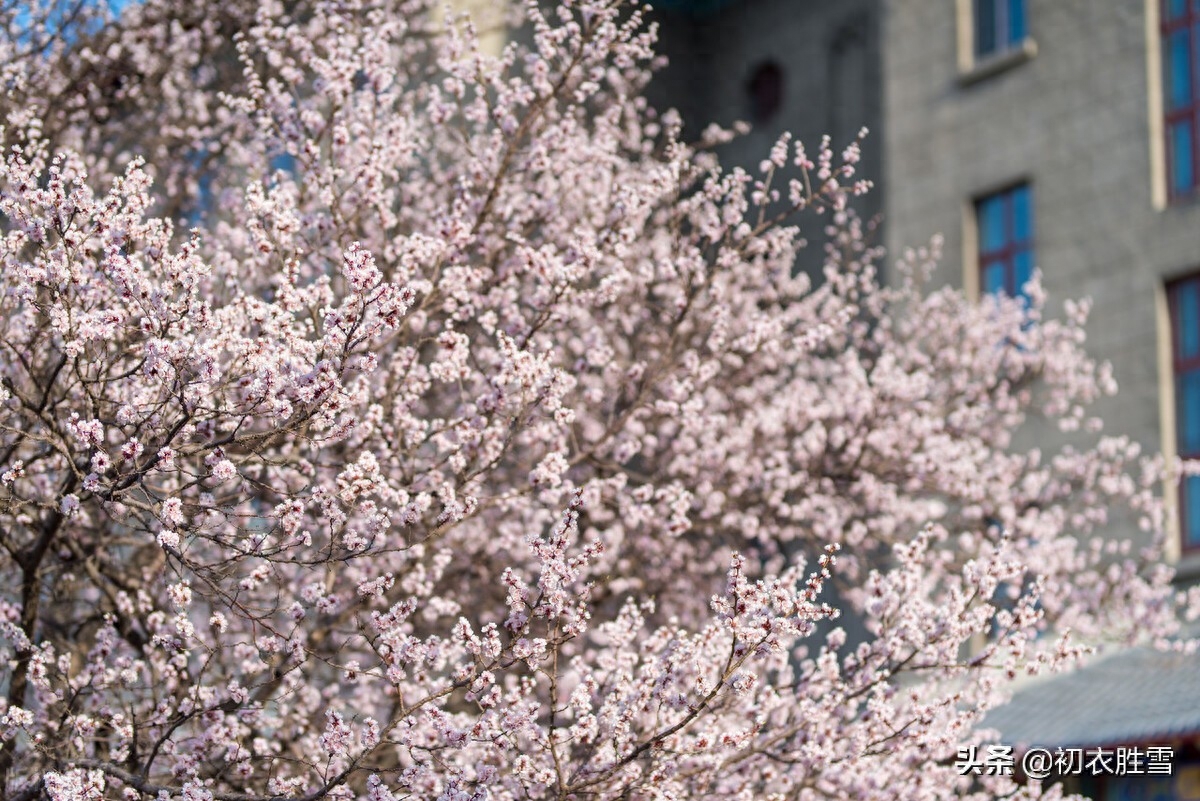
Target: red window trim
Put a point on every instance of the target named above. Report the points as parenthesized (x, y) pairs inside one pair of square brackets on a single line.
[(1188, 20), (1005, 255), (1180, 365)]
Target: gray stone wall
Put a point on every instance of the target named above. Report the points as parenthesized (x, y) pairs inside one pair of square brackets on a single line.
[(828, 53), (1071, 110), (1075, 120)]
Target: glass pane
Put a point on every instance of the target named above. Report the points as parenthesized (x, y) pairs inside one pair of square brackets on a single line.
[(285, 162), (1023, 270), (985, 27), (991, 224), (1022, 212), (993, 278), (1191, 510), (1189, 414), (1178, 67), (1183, 175), (1187, 318), (1173, 8), (1016, 21)]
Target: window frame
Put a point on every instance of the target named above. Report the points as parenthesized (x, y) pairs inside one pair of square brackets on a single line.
[(974, 67), (1189, 542), (1011, 248), (1005, 39), (1189, 112)]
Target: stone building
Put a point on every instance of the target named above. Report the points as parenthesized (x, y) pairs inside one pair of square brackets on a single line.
[(1063, 129), (1057, 134), (1064, 122), (1063, 134), (804, 66)]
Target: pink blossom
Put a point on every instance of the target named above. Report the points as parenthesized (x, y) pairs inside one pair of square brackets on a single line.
[(478, 442), (223, 470)]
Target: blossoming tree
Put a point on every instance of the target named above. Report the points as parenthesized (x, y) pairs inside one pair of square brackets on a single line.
[(381, 418)]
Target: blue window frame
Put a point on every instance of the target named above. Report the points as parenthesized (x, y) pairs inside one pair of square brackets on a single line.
[(1005, 226), (999, 25), (1184, 299), (1180, 31)]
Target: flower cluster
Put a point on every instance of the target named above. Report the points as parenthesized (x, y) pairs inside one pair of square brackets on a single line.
[(385, 416)]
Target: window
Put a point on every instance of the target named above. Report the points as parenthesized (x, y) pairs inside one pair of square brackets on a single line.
[(765, 91), (1181, 95), (999, 26), (1005, 225), (1184, 299)]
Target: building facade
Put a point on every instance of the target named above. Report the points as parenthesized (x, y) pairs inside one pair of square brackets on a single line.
[(1061, 135), (1057, 135), (803, 66), (1070, 138)]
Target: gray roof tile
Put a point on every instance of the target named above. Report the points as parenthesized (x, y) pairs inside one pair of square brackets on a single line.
[(1136, 695)]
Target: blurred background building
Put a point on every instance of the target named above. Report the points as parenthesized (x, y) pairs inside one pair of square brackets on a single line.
[(803, 66), (1061, 134)]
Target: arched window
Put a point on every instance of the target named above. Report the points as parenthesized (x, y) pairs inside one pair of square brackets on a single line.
[(764, 90)]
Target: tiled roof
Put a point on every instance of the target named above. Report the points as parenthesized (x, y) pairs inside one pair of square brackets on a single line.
[(1136, 695)]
